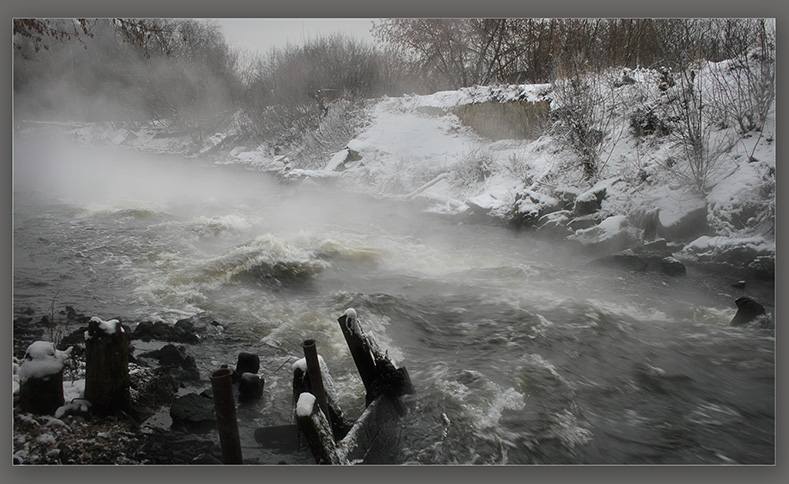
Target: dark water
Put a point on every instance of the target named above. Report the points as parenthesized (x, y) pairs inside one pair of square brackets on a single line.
[(519, 353)]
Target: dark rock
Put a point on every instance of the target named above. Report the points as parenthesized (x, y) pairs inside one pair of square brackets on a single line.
[(250, 387), (763, 265), (247, 363), (25, 333), (193, 408), (76, 339), (175, 360), (182, 332), (748, 310), (177, 448), (628, 262), (672, 267), (147, 331)]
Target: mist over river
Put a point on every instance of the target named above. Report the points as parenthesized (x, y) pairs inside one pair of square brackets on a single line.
[(520, 352)]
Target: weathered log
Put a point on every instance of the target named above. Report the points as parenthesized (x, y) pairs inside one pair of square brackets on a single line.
[(316, 429), (227, 422), (375, 436), (107, 366), (302, 383), (378, 373)]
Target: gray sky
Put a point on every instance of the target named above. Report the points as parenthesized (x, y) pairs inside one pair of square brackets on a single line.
[(259, 35)]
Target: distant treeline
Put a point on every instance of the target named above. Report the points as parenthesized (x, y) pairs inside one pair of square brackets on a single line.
[(464, 52), (183, 71)]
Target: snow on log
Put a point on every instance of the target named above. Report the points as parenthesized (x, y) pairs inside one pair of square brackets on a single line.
[(316, 429)]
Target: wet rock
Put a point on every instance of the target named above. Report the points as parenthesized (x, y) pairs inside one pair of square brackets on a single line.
[(672, 267), (250, 387), (25, 333), (182, 332), (177, 448), (194, 408), (748, 311), (247, 363), (175, 360), (763, 265)]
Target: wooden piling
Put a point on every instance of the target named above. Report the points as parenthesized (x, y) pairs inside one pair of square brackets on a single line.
[(315, 376), (359, 347), (227, 422), (41, 379), (107, 367)]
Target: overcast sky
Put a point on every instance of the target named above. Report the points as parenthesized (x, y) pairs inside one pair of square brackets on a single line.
[(259, 35)]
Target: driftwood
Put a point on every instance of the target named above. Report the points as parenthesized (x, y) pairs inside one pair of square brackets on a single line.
[(374, 437)]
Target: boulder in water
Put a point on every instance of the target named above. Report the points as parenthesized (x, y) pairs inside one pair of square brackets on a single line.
[(672, 267), (747, 311), (193, 408)]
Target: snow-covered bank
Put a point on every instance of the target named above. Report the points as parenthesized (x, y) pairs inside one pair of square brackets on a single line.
[(418, 148)]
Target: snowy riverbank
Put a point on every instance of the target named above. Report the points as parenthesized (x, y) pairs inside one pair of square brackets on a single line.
[(417, 148)]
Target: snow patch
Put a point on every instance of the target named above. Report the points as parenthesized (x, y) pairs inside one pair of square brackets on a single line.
[(109, 327), (42, 360), (305, 404)]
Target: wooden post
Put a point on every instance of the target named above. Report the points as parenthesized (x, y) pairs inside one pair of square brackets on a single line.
[(107, 366), (227, 423), (315, 376), (41, 379), (360, 349)]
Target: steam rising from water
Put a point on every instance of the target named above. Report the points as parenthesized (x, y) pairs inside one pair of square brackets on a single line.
[(520, 354)]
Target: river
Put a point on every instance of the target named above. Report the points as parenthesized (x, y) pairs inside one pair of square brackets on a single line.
[(520, 353)]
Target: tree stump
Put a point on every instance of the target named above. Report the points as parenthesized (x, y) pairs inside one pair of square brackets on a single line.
[(106, 366), (41, 379)]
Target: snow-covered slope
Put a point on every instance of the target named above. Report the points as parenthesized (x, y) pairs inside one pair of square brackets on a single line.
[(415, 147)]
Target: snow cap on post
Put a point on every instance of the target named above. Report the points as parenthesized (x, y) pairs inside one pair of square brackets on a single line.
[(42, 360)]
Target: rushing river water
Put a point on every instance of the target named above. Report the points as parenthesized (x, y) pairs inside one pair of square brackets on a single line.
[(520, 353)]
